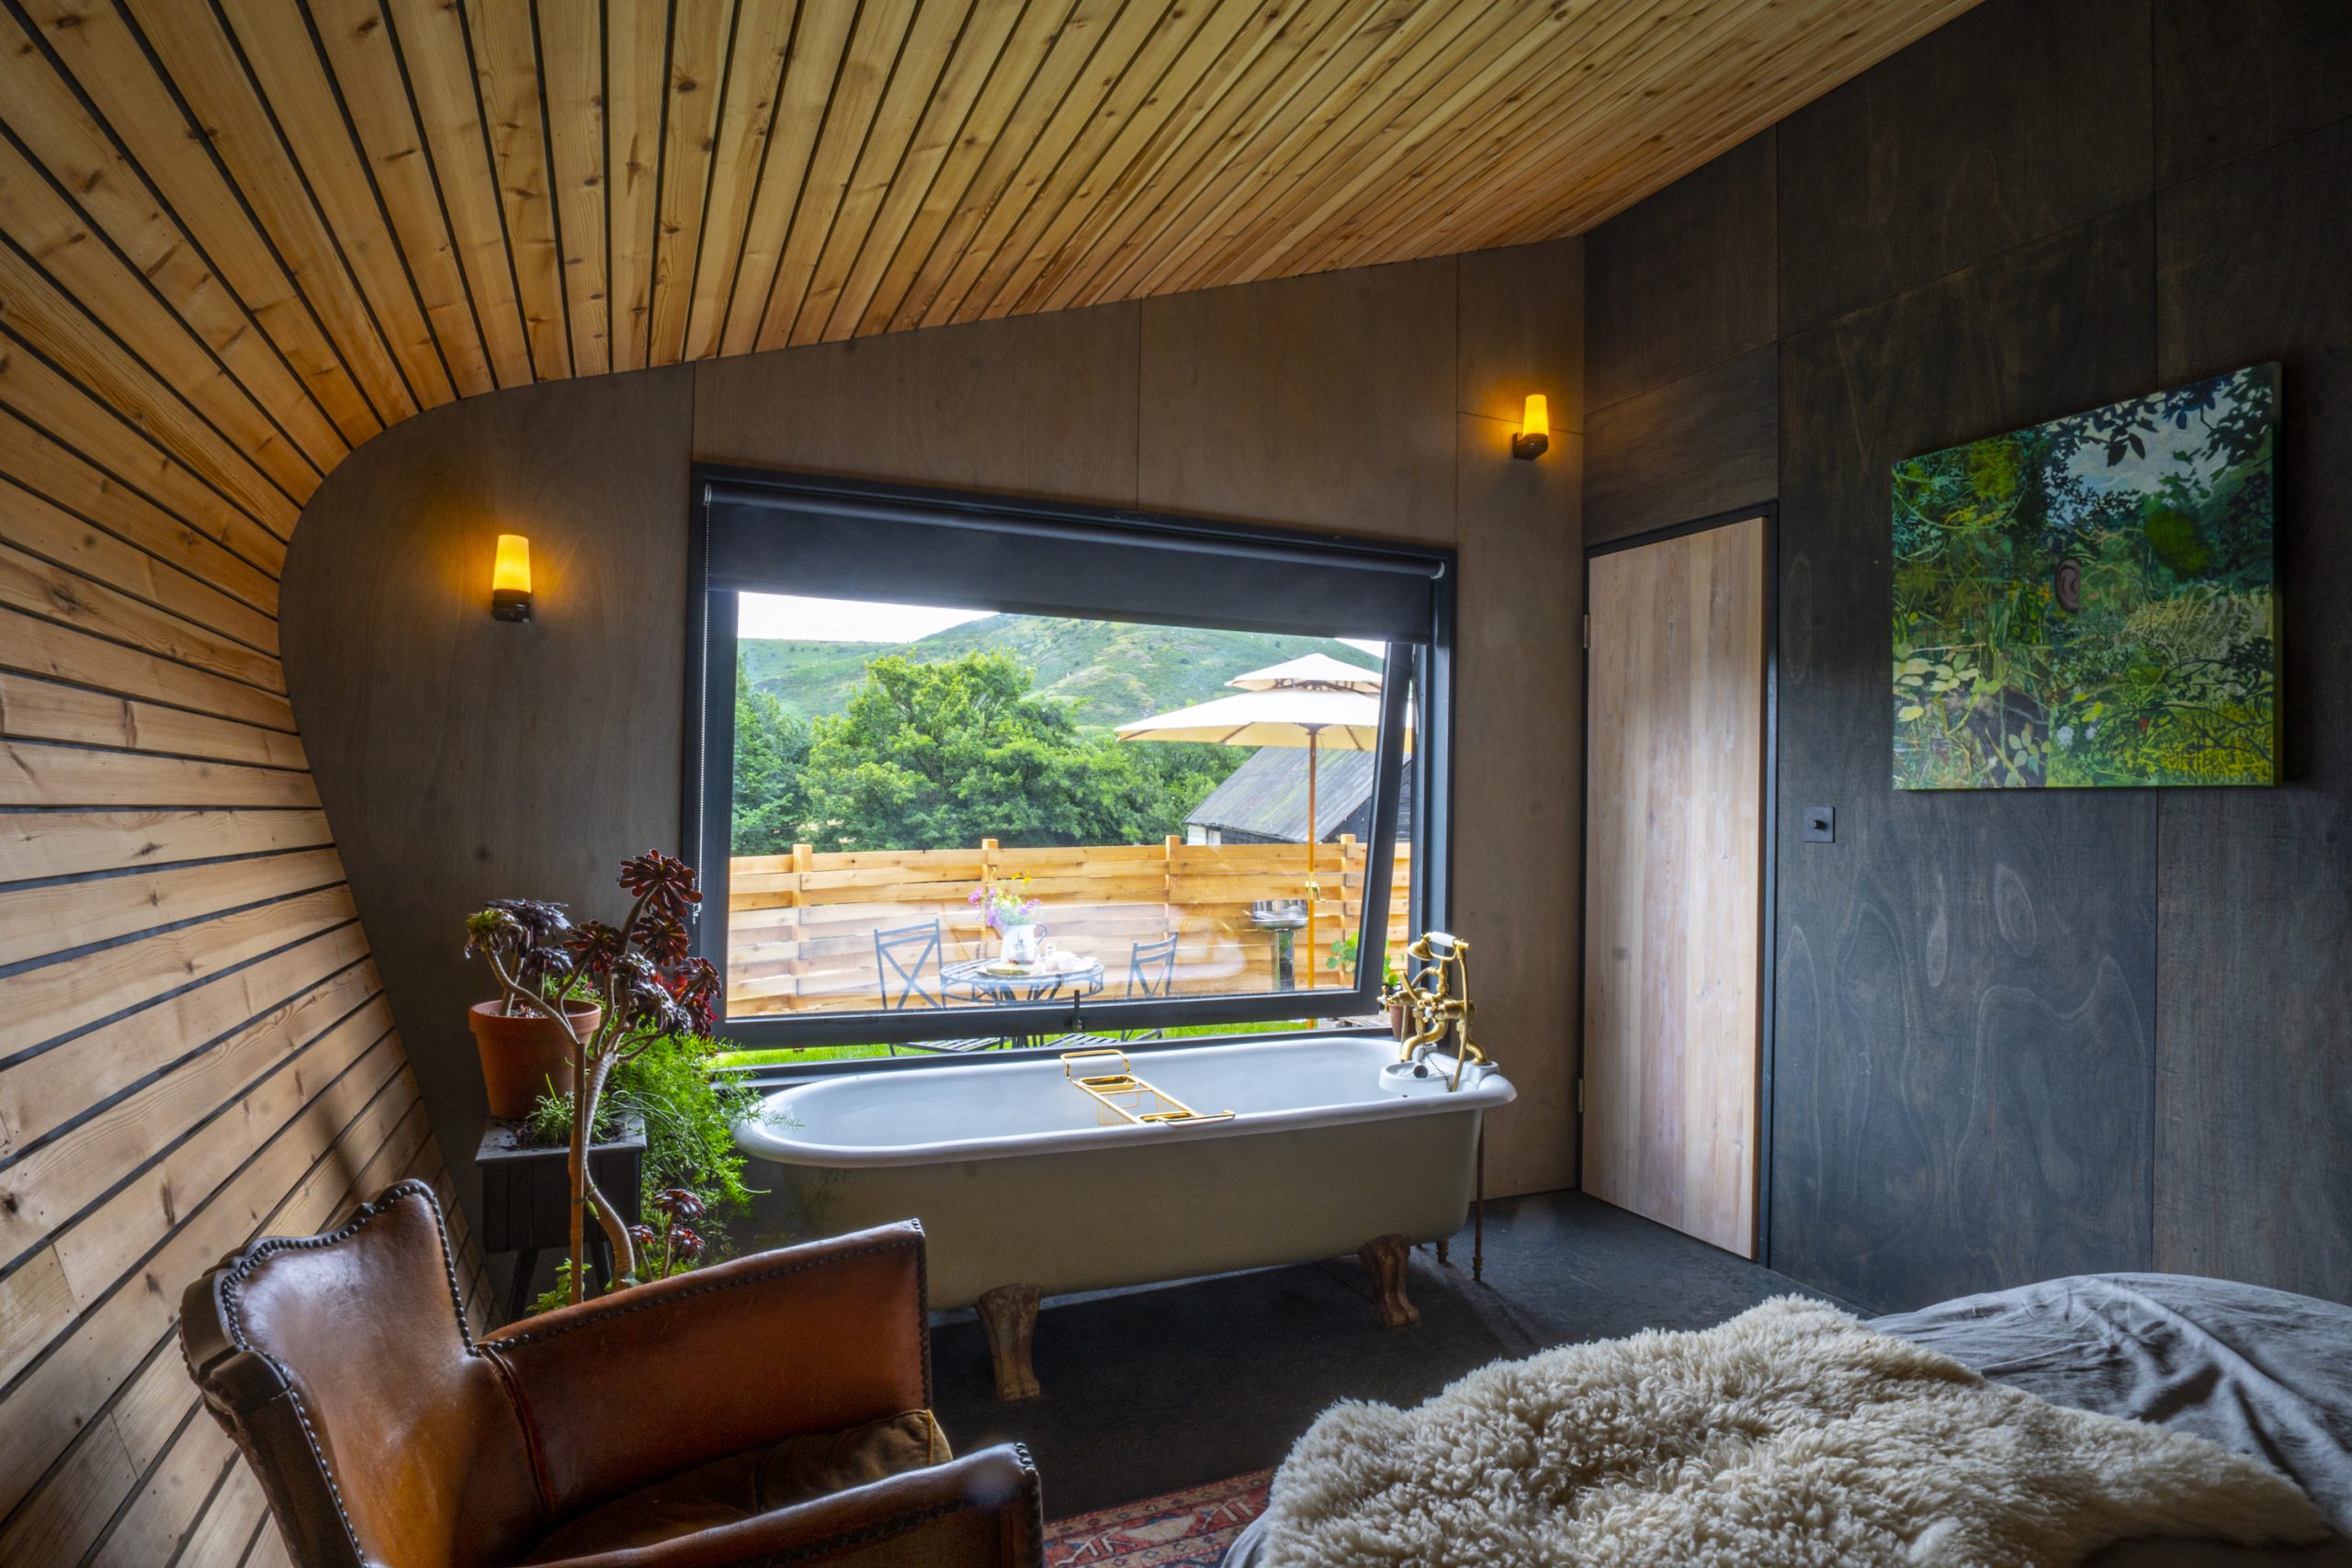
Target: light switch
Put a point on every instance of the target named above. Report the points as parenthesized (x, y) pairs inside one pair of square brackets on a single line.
[(1820, 825)]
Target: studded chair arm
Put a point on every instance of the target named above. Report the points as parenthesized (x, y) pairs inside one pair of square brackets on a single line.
[(981, 1511), (661, 1377)]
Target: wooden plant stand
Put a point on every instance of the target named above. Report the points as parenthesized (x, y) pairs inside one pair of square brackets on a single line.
[(527, 1198)]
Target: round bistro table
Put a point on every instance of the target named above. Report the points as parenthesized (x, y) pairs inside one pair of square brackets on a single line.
[(1041, 985)]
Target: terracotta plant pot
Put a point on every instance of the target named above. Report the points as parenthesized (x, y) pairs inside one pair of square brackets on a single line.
[(1398, 1023), (523, 1055)]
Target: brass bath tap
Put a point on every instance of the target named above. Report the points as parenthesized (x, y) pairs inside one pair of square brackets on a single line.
[(1437, 995)]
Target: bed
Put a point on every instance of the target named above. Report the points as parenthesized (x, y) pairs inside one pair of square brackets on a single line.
[(2265, 1372)]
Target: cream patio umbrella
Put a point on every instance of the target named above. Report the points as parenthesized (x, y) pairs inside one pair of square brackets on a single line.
[(1315, 672), (1312, 701)]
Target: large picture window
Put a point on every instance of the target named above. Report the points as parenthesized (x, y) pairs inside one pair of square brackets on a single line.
[(971, 775)]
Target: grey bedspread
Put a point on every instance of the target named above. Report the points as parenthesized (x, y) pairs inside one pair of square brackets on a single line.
[(2261, 1372)]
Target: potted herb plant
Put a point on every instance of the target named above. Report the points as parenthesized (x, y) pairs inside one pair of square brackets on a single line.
[(1007, 910), (642, 985)]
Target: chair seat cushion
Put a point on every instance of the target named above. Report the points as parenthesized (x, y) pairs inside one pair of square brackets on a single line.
[(743, 1486)]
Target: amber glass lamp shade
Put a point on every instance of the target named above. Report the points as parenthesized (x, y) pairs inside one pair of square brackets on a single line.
[(1535, 428), (510, 578)]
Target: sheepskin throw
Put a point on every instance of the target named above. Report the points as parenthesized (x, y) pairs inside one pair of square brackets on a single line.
[(1790, 1435)]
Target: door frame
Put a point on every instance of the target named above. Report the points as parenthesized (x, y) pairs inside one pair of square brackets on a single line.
[(1767, 812)]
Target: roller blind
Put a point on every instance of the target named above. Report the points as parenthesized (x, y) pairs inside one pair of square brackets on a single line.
[(838, 539)]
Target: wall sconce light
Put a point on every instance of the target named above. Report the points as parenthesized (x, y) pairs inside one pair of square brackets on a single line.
[(1535, 428), (510, 579)]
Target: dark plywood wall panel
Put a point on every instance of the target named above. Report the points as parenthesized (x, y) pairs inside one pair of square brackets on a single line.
[(1305, 400), (2015, 121), (1518, 776), (1683, 302), (1964, 982), (2253, 1085), (2233, 80), (1521, 330), (465, 759), (1705, 443), (408, 687), (2017, 1035), (1043, 407), (1688, 278)]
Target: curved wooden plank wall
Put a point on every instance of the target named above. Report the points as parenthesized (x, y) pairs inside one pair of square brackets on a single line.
[(243, 238)]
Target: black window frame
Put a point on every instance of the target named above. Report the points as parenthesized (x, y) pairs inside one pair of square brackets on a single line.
[(1422, 667)]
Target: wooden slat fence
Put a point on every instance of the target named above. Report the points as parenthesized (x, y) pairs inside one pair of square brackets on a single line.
[(800, 927)]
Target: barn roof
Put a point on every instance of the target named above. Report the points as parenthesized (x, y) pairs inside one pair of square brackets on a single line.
[(1266, 796)]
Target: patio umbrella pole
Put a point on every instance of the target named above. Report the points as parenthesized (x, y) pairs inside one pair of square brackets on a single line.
[(1313, 736), (1277, 707)]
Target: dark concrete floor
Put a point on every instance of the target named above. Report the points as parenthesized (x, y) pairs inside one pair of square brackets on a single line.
[(1152, 1389)]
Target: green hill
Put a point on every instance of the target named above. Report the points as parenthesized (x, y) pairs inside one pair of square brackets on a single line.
[(1110, 672)]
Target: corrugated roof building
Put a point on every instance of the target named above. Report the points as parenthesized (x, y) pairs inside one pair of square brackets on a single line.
[(1263, 801)]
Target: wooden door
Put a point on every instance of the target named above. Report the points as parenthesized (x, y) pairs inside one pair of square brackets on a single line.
[(1673, 905)]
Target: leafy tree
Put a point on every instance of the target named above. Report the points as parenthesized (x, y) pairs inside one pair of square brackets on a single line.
[(942, 755), (771, 748)]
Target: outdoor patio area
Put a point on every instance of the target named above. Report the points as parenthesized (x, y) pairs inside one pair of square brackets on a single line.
[(811, 932)]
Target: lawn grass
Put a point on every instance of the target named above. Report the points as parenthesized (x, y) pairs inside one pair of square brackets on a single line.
[(793, 1056), (796, 1055)]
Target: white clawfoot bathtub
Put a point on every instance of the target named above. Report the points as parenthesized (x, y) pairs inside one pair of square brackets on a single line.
[(1017, 1184)]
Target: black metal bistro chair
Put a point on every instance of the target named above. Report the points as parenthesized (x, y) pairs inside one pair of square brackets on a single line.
[(1151, 973), (908, 961)]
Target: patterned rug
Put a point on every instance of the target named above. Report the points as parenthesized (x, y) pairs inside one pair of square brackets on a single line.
[(1176, 1530)]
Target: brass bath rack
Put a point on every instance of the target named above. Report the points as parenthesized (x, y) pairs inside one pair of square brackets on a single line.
[(1122, 1099)]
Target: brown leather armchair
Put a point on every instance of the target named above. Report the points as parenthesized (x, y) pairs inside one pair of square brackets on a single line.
[(770, 1410)]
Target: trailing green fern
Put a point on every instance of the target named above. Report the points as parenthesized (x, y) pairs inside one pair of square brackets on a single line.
[(689, 1118)]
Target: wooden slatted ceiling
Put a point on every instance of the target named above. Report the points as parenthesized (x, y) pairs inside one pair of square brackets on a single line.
[(321, 215), (243, 237)]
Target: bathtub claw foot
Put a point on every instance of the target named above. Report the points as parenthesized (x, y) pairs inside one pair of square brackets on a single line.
[(1383, 1258), (1009, 1314), (1444, 1259)]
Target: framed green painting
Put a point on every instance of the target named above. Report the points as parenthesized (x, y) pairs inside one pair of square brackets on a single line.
[(2090, 603)]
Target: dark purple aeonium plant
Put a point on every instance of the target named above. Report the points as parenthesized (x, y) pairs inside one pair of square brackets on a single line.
[(671, 1244), (637, 972)]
